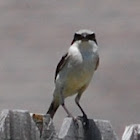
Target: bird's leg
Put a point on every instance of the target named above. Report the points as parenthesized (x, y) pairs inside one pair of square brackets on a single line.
[(84, 118), (62, 102), (67, 111)]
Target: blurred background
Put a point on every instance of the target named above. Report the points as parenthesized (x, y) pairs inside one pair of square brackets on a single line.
[(34, 34)]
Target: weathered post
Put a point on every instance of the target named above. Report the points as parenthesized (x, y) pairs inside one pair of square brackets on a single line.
[(98, 130), (132, 132), (22, 125)]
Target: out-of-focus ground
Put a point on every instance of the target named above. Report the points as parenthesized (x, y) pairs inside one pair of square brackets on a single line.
[(35, 34)]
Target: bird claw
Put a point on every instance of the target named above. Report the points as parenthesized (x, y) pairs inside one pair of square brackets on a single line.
[(75, 120), (84, 120)]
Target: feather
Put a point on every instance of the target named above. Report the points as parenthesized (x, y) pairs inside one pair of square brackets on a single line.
[(61, 64)]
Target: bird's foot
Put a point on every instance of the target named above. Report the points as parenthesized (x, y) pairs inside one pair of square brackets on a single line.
[(84, 120), (75, 120)]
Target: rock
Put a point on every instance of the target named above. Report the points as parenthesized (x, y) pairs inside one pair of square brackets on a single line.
[(17, 125), (22, 125), (98, 130), (132, 132)]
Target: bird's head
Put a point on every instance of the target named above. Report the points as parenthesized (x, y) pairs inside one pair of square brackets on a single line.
[(84, 36)]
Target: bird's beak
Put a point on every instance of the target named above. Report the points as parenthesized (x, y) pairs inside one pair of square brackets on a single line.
[(84, 38)]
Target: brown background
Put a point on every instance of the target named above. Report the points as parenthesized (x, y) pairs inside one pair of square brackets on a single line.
[(34, 34)]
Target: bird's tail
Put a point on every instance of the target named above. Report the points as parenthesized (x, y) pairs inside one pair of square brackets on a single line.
[(53, 108)]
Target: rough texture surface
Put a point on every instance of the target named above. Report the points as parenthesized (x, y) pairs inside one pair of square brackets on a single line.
[(98, 130), (106, 130), (48, 131), (17, 125), (21, 125), (132, 132)]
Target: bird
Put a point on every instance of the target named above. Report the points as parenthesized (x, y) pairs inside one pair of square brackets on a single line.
[(75, 71)]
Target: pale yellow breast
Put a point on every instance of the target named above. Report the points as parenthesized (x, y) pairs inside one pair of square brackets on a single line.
[(75, 83)]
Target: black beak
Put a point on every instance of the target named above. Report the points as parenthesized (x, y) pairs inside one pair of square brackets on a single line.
[(85, 39)]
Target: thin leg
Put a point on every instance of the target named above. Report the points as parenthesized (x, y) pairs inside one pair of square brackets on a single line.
[(77, 99), (64, 106), (67, 111)]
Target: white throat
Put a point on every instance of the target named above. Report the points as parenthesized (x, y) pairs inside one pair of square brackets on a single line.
[(87, 46)]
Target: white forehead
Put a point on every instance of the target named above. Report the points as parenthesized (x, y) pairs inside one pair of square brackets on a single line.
[(84, 31)]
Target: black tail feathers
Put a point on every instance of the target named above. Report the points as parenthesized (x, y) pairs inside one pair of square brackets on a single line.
[(53, 108)]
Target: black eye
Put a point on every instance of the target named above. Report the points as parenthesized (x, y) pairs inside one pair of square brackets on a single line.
[(91, 37), (77, 37)]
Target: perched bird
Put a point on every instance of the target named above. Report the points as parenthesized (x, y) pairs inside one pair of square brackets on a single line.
[(75, 70)]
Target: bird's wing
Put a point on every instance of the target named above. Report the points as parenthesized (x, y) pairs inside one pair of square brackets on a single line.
[(97, 63), (61, 64)]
